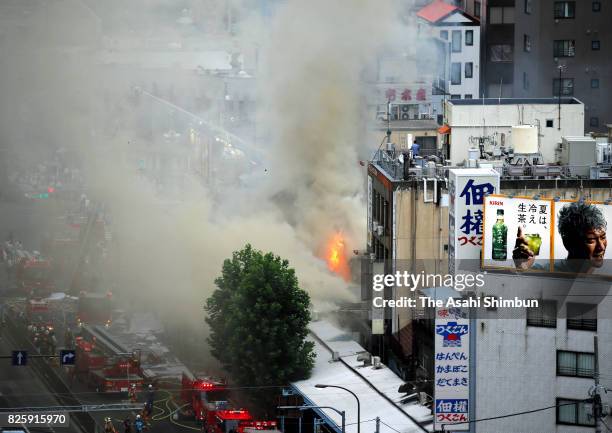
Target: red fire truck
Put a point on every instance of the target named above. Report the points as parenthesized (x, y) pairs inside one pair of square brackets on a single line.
[(207, 400), (94, 309), (105, 365), (38, 313), (30, 273)]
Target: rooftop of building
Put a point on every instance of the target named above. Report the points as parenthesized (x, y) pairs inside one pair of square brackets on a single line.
[(377, 387), (436, 11), (512, 101)]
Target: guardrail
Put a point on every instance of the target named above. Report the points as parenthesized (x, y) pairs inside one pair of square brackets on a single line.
[(394, 167)]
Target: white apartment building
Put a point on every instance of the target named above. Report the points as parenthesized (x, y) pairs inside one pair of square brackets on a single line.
[(526, 361), (460, 32)]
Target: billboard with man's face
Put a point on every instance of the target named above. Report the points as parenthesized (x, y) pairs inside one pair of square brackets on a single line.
[(566, 237), (521, 220)]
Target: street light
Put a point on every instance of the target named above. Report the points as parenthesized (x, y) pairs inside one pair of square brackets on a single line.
[(340, 412), (320, 385)]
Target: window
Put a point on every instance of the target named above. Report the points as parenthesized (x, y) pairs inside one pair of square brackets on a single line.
[(469, 69), (528, 7), (544, 316), (469, 37), (477, 9), (595, 83), (573, 412), (576, 364), (500, 53), (564, 48), (456, 43), (444, 34), (501, 15), (595, 45), (565, 87), (596, 6), (526, 43), (565, 10), (455, 73), (582, 316), (525, 81), (594, 121), (467, 96), (455, 96), (550, 123)]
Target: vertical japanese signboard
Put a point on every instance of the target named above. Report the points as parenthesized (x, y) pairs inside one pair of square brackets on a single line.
[(512, 220), (452, 369), (370, 192), (468, 189)]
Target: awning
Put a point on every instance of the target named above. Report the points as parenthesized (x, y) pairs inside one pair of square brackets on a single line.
[(444, 129)]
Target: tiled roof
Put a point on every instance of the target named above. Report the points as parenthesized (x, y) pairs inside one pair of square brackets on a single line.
[(436, 11)]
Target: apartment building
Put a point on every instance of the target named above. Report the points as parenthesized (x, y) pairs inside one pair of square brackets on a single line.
[(549, 48), (460, 34)]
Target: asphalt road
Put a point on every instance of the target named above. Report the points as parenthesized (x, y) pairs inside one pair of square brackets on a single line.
[(19, 386)]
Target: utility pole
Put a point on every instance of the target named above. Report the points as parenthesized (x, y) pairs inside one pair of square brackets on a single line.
[(561, 68)]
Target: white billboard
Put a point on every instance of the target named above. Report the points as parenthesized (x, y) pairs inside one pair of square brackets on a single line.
[(452, 370), (517, 219), (565, 237)]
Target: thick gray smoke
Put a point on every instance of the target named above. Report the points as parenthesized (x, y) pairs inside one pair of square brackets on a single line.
[(308, 185)]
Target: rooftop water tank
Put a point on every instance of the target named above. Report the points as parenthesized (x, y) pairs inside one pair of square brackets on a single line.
[(525, 139)]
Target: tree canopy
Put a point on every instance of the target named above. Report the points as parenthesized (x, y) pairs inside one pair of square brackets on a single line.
[(258, 318)]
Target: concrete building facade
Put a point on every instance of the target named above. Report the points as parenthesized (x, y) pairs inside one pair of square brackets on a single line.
[(528, 41)]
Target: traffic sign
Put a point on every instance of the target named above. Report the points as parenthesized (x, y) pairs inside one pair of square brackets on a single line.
[(67, 357), (20, 357)]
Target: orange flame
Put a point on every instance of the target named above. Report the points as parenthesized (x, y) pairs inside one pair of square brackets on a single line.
[(335, 256)]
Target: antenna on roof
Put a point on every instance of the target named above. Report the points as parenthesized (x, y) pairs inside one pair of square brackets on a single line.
[(388, 121)]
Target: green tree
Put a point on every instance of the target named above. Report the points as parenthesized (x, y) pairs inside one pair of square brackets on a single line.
[(258, 318)]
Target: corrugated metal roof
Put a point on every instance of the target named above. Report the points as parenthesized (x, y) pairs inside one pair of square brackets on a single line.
[(366, 382)]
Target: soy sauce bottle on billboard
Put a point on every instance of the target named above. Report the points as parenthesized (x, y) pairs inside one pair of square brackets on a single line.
[(500, 237)]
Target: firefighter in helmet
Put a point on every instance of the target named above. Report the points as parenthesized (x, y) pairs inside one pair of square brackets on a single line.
[(139, 424), (132, 393), (108, 426)]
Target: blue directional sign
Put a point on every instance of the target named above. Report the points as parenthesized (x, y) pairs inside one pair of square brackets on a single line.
[(67, 357), (20, 357)]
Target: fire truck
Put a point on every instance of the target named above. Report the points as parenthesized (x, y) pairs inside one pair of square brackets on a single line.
[(38, 314), (207, 400), (94, 309), (105, 365), (30, 272)]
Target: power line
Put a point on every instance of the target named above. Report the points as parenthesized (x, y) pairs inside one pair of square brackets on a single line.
[(515, 414), (382, 422)]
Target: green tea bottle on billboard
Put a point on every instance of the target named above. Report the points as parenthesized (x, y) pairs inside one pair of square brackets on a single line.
[(500, 237)]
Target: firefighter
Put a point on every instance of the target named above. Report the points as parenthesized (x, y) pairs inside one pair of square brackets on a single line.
[(108, 426), (139, 424), (146, 410), (150, 400), (132, 393)]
